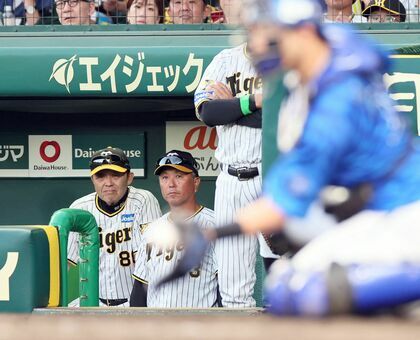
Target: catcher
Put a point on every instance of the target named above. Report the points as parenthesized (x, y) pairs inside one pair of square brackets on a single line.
[(337, 126)]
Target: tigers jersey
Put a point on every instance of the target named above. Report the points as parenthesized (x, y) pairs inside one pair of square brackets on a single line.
[(196, 289), (119, 236), (237, 145)]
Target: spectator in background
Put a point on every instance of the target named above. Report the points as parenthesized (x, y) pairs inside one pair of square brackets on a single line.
[(411, 7), (38, 12), (380, 11), (115, 9), (343, 11), (188, 11), (29, 12), (17, 8), (229, 13), (413, 10), (408, 4), (145, 12), (75, 12)]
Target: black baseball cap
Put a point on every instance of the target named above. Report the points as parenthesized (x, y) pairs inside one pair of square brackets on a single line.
[(180, 160), (391, 6), (109, 158)]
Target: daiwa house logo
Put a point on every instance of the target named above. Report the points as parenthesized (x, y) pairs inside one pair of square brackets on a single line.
[(63, 72)]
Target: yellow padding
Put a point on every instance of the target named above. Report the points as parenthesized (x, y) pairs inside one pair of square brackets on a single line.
[(52, 234), (404, 56)]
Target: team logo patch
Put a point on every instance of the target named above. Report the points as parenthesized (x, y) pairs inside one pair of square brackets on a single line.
[(127, 218)]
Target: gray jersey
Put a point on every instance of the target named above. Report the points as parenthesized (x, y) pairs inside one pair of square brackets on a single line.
[(119, 239), (196, 289)]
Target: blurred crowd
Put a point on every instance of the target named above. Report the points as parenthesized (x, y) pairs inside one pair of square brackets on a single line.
[(139, 12)]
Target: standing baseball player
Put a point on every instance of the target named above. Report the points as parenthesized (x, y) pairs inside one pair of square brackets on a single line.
[(179, 181), (337, 127), (229, 97), (120, 210)]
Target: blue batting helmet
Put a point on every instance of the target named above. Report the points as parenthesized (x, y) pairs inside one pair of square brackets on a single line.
[(284, 12), (287, 13)]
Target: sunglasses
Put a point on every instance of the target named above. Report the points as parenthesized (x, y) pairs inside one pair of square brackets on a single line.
[(72, 3), (109, 159), (176, 160)]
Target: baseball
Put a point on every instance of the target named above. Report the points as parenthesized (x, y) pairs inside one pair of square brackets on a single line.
[(165, 236)]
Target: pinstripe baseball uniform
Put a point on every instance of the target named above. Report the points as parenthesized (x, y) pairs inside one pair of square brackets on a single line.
[(119, 239), (238, 146), (197, 289)]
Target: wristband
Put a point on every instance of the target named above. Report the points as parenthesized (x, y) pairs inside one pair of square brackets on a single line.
[(244, 102), (252, 104)]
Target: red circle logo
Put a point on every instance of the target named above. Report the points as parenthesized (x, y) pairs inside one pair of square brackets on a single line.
[(49, 144)]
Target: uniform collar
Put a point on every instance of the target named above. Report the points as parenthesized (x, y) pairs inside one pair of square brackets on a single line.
[(111, 210), (189, 217)]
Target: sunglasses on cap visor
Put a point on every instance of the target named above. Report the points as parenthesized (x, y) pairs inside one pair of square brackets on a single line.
[(109, 159), (175, 160)]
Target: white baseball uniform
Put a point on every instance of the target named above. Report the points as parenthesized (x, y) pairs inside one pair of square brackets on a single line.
[(238, 146), (196, 289), (119, 239)]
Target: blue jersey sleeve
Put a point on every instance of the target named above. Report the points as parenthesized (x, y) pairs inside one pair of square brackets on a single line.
[(296, 178)]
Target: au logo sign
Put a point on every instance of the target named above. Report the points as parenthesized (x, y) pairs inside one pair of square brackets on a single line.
[(6, 273), (200, 137), (196, 138)]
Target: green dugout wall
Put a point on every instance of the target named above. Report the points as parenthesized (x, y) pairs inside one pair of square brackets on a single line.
[(118, 85), (96, 85), (108, 81)]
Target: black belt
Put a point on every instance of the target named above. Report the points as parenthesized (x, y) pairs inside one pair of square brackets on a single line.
[(243, 173), (113, 302)]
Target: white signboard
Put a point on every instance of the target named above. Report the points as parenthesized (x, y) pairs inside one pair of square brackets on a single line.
[(197, 139)]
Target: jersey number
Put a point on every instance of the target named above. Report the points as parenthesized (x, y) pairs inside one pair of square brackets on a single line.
[(127, 258)]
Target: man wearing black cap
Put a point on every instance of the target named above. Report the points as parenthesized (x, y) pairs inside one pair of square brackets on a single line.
[(383, 11), (179, 181), (120, 210)]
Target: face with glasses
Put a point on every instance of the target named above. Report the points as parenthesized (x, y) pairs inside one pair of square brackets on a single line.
[(75, 12), (381, 16), (143, 12)]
